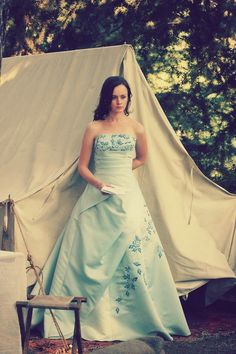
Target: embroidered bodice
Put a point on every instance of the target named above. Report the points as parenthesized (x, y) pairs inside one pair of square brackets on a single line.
[(115, 142), (113, 156)]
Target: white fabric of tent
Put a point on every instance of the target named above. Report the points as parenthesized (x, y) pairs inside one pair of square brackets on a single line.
[(46, 101)]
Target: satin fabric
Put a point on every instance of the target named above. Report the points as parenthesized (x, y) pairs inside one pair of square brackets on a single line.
[(110, 252)]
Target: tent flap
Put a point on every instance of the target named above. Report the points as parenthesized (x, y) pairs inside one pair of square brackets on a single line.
[(46, 101)]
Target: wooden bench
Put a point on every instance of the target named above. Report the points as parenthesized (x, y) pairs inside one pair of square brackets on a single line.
[(53, 303)]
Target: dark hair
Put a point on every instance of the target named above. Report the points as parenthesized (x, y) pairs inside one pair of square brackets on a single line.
[(105, 99)]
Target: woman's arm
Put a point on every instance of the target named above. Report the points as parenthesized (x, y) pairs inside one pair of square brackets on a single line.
[(85, 154), (141, 147)]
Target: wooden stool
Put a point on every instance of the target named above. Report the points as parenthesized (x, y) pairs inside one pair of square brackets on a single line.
[(54, 303)]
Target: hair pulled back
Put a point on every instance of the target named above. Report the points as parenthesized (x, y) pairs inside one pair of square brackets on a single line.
[(104, 105)]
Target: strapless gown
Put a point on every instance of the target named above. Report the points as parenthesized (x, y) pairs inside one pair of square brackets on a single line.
[(110, 252)]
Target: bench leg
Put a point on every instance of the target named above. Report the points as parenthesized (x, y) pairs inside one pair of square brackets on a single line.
[(21, 323), (27, 330), (77, 340)]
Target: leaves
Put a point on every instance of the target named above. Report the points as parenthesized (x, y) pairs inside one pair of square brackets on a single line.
[(185, 49)]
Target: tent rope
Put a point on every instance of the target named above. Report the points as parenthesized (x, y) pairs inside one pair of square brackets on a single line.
[(39, 279)]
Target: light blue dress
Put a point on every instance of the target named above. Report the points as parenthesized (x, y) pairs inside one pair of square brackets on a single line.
[(110, 252)]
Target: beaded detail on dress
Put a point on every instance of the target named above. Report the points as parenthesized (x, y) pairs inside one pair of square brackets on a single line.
[(115, 142)]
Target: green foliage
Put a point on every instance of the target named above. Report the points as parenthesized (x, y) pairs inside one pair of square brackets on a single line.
[(184, 47)]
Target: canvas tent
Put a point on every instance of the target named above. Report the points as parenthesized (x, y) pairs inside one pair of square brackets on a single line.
[(46, 101)]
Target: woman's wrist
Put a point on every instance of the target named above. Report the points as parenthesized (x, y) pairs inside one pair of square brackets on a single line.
[(99, 185), (137, 163)]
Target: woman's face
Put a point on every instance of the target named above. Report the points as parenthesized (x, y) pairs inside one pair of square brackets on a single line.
[(119, 99)]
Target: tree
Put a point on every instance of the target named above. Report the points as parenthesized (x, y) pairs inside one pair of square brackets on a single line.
[(184, 47), (2, 31)]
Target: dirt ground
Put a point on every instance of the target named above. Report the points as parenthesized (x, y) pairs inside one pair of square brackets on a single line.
[(213, 331)]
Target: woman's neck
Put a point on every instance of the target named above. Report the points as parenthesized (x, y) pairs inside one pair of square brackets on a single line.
[(115, 118)]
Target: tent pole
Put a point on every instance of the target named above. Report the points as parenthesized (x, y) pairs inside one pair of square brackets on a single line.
[(7, 235), (2, 210), (10, 225)]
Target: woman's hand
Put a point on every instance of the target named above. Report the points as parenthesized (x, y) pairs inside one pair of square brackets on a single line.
[(104, 186)]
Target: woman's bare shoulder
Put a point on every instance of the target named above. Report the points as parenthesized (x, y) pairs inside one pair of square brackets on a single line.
[(136, 126), (93, 126)]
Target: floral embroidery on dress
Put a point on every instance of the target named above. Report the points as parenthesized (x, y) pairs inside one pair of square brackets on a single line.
[(149, 226), (135, 245), (129, 283), (115, 142), (137, 264), (118, 300), (160, 251), (150, 231)]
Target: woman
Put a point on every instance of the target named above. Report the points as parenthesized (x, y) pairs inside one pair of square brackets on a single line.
[(109, 250)]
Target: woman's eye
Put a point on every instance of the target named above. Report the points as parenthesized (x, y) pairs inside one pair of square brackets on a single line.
[(123, 97)]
